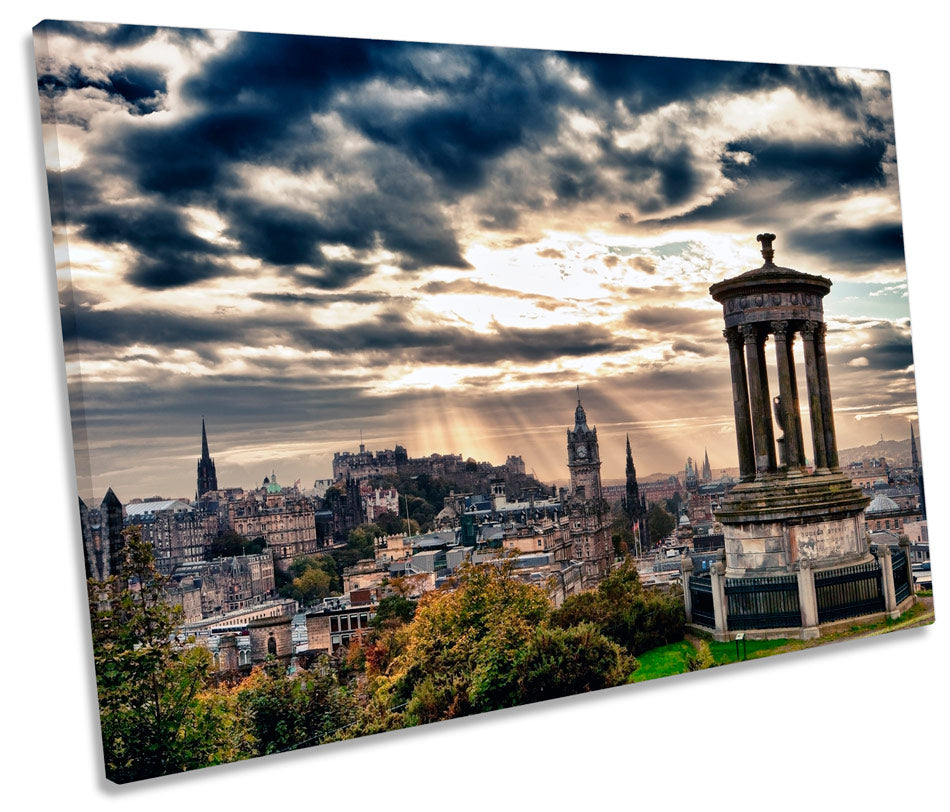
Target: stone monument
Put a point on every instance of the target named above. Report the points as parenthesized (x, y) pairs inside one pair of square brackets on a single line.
[(784, 514)]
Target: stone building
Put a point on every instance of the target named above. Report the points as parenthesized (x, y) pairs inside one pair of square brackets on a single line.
[(103, 544), (270, 637), (284, 517), (345, 502), (885, 513), (377, 501), (330, 629), (587, 511), (229, 584), (173, 528)]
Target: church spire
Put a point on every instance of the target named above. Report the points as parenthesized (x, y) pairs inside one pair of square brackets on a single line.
[(207, 477), (632, 494), (205, 454), (914, 459), (918, 472)]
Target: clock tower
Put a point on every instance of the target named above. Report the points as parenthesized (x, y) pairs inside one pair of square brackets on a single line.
[(583, 457), (587, 513)]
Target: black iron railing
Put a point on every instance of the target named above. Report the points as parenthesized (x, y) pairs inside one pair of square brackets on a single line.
[(849, 592), (899, 568), (762, 603), (700, 591)]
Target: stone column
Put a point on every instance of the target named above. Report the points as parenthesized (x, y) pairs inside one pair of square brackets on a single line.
[(759, 399), (227, 653), (814, 396), (788, 397), (885, 561), (718, 582), (686, 564), (796, 405), (740, 405), (827, 413), (808, 600)]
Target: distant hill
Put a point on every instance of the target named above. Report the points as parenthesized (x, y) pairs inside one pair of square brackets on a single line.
[(896, 452)]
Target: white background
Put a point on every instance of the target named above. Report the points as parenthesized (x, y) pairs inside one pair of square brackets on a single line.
[(861, 724)]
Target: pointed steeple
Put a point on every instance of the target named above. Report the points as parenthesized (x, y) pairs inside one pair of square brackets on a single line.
[(207, 476), (632, 493), (919, 472), (205, 454), (707, 471), (580, 416)]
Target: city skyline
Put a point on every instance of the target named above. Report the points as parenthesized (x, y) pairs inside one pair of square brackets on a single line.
[(306, 237)]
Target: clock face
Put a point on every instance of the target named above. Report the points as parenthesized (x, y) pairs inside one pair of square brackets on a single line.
[(581, 450)]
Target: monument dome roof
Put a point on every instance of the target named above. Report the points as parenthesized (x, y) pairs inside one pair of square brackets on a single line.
[(882, 504)]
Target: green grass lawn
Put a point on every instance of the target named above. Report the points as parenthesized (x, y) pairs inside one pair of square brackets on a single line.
[(726, 652), (663, 661), (672, 659)]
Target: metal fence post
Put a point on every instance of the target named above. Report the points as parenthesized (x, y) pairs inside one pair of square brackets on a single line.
[(808, 600), (905, 546)]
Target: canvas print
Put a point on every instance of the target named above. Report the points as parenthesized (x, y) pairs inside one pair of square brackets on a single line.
[(410, 381)]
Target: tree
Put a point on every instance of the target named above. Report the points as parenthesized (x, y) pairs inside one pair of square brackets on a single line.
[(486, 644), (284, 711), (631, 615), (393, 524), (661, 524), (393, 609), (230, 544), (621, 533), (153, 721), (312, 578)]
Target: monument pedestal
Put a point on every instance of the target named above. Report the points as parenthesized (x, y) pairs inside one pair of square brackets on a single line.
[(773, 524)]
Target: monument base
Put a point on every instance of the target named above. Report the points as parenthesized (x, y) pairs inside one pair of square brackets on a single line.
[(772, 525)]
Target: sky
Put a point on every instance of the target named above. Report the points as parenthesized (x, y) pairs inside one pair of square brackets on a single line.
[(304, 238)]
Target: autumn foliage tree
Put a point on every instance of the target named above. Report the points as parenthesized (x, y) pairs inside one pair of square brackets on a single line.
[(486, 644), (635, 617), (148, 683)]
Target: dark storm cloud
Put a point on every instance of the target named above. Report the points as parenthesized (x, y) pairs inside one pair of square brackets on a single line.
[(123, 328), (168, 253), (352, 297), (182, 159), (336, 274), (71, 192), (779, 174), (118, 36), (394, 334), (812, 168), (852, 248), (682, 346), (472, 287), (889, 350), (390, 335), (141, 89), (647, 83), (668, 320), (501, 99), (254, 105)]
